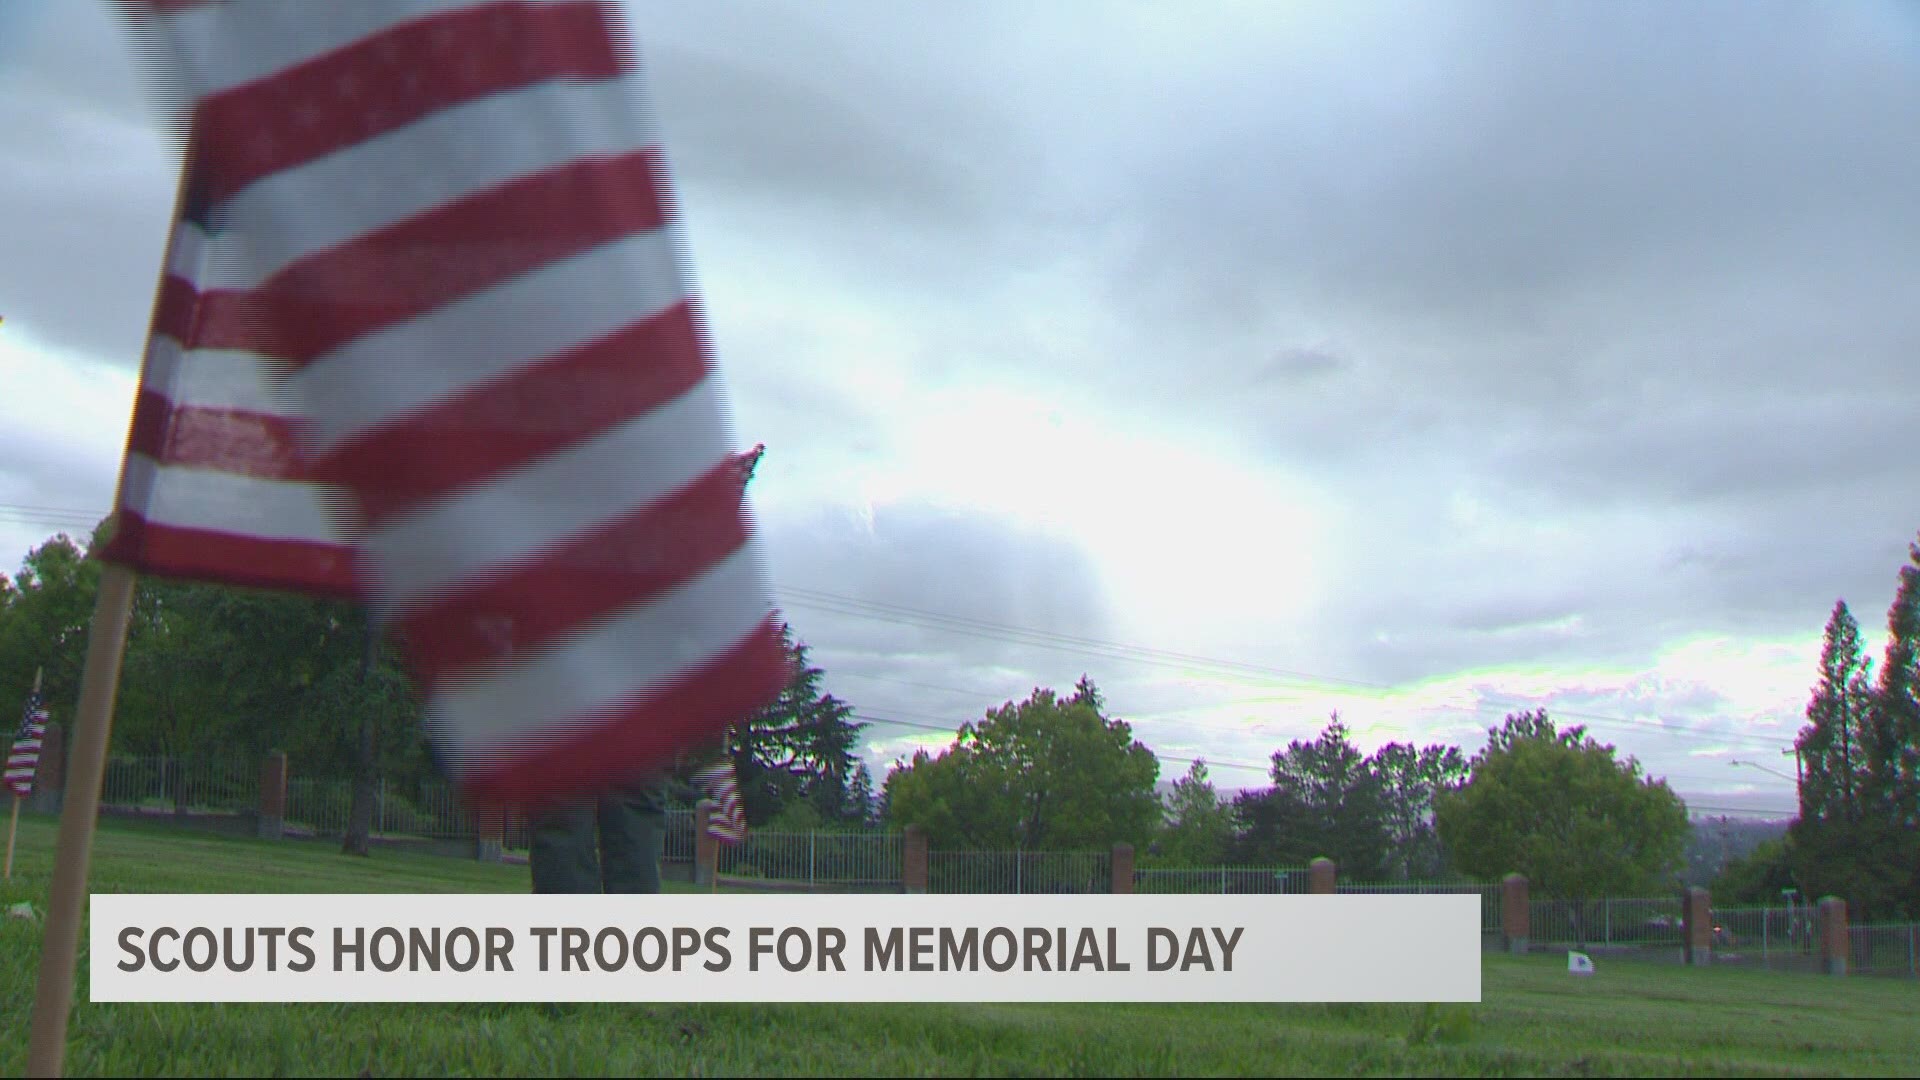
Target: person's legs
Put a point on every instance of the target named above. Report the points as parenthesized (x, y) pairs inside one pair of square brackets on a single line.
[(633, 837), (563, 857)]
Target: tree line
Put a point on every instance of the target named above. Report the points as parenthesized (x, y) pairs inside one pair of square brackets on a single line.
[(1054, 773), (215, 672), (1857, 834), (212, 669)]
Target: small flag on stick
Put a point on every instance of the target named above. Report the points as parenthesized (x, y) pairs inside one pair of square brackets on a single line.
[(23, 760), (727, 822)]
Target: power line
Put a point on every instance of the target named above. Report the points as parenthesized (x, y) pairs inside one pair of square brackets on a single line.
[(1148, 718), (1226, 727), (1743, 810), (1692, 807), (897, 613), (61, 511), (1262, 769), (24, 514), (901, 615), (950, 730), (1734, 778), (927, 619)]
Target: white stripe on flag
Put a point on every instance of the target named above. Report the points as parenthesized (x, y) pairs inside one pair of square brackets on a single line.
[(187, 253), (466, 537), (548, 692), (474, 147), (225, 502), (387, 374), (215, 379)]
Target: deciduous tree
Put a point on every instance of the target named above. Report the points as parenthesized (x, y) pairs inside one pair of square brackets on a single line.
[(1560, 808), (1043, 774)]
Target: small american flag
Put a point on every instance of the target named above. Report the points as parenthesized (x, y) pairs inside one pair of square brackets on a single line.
[(23, 761), (424, 338), (727, 822)]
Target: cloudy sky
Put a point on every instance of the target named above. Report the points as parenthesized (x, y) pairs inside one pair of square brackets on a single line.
[(1419, 361)]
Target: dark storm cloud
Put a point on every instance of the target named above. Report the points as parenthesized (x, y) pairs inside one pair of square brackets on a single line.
[(964, 566), (86, 185), (1596, 320), (1639, 271), (895, 663), (83, 247)]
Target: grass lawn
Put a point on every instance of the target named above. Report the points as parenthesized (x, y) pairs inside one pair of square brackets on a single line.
[(1632, 1018)]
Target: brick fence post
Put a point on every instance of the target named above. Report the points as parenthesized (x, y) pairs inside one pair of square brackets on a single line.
[(1834, 940), (1697, 926), (1123, 868), (1516, 913), (913, 860), (706, 848), (490, 833), (273, 796), (1321, 876), (50, 782)]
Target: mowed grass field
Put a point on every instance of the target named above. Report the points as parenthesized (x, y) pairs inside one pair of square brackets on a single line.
[(1630, 1019)]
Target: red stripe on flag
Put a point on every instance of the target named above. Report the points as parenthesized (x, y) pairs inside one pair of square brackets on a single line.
[(173, 312), (245, 561), (165, 7), (641, 737), (221, 440), (386, 81), (616, 566), (530, 412), (408, 269)]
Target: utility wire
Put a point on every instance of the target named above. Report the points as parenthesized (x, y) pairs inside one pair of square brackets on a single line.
[(899, 614), (1263, 769), (1017, 635)]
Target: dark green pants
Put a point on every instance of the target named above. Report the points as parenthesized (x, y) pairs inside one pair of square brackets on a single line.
[(611, 844)]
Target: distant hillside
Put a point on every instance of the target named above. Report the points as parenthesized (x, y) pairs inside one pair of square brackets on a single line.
[(1717, 841)]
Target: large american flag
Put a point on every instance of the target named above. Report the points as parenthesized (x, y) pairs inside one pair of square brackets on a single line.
[(23, 760), (425, 337)]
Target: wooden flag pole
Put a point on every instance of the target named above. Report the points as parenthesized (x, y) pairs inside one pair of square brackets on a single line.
[(13, 823), (92, 728), (13, 828)]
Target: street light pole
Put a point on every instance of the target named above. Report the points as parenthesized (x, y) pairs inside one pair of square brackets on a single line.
[(1798, 785), (1764, 769)]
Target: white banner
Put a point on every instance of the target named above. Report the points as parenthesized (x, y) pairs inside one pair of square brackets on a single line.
[(774, 948)]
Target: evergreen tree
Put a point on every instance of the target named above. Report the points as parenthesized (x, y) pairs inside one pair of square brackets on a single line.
[(1834, 761), (1894, 747), (861, 809), (1892, 846), (1327, 799), (800, 747), (1860, 799)]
